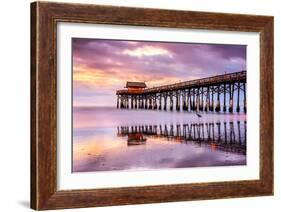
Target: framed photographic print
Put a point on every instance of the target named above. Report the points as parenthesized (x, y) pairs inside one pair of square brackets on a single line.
[(136, 105)]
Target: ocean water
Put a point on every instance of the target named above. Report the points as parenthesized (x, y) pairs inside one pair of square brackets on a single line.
[(108, 139)]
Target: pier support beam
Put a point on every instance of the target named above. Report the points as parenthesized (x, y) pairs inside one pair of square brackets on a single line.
[(171, 101), (224, 97), (192, 100), (132, 102), (201, 100), (127, 101), (238, 98), (187, 100), (165, 101), (160, 102), (136, 102), (139, 102), (118, 101), (245, 102), (178, 100), (218, 107), (183, 100), (150, 103), (212, 99), (230, 98), (197, 100), (155, 102), (121, 104), (207, 102), (145, 102)]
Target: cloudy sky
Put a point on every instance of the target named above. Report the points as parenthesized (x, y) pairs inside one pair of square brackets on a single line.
[(100, 67)]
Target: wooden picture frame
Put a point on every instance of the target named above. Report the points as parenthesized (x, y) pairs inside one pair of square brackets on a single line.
[(44, 19)]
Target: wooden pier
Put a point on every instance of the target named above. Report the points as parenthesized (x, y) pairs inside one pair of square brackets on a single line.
[(216, 93)]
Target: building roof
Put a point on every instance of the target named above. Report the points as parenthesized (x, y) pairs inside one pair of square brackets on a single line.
[(136, 84)]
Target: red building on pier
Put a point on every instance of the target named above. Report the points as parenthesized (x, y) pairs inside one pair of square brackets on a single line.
[(135, 87)]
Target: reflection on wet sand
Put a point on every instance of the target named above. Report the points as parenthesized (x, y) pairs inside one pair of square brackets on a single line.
[(108, 139), (136, 139), (226, 136)]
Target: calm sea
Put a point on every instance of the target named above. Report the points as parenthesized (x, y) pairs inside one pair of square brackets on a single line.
[(107, 139)]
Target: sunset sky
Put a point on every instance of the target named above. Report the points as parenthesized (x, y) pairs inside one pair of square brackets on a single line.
[(100, 67)]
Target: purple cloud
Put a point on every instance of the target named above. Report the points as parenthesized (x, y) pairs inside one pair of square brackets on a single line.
[(113, 62)]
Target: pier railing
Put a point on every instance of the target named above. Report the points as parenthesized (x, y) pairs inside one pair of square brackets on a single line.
[(208, 81)]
